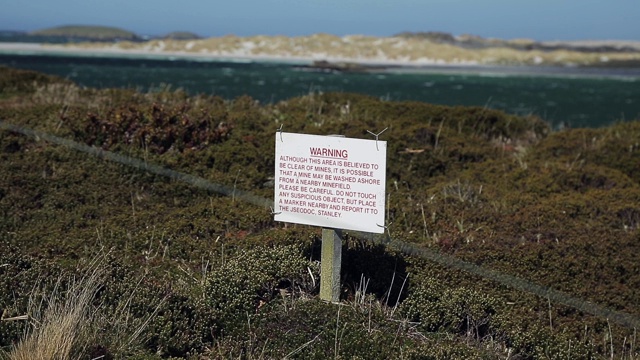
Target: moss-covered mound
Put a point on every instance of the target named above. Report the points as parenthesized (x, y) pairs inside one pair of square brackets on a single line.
[(184, 272)]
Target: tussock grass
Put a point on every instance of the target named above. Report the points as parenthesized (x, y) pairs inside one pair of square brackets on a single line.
[(59, 320), (69, 322)]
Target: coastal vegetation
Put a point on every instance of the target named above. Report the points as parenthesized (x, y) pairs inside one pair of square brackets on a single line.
[(505, 239)]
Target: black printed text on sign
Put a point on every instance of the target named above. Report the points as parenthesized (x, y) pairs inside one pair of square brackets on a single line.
[(329, 181)]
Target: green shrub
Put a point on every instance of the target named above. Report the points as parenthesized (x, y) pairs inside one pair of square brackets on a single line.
[(252, 277), (313, 329), (459, 310)]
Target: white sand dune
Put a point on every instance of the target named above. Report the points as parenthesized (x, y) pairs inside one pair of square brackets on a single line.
[(397, 51)]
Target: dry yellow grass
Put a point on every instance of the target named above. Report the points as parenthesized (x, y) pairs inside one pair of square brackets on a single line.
[(67, 324), (59, 321)]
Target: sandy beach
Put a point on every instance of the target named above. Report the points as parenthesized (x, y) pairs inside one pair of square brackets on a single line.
[(233, 55), (110, 51)]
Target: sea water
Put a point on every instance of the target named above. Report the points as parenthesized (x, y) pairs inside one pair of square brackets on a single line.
[(562, 96)]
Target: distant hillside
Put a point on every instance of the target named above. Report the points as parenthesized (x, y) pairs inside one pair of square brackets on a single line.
[(84, 32), (7, 33), (182, 35)]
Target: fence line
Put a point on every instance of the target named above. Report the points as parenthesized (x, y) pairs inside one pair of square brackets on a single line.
[(618, 317), (141, 165)]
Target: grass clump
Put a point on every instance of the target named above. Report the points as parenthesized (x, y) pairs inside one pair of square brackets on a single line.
[(69, 320)]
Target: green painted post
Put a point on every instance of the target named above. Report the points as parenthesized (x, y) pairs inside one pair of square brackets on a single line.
[(330, 261)]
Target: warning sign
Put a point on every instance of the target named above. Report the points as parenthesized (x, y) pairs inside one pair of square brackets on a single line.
[(330, 181)]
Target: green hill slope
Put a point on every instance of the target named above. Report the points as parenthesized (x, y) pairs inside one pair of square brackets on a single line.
[(472, 193), (181, 35), (100, 33)]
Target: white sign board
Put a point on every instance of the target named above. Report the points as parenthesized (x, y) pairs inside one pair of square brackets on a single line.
[(330, 181)]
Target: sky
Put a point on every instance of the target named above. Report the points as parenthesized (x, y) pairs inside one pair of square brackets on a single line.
[(506, 19)]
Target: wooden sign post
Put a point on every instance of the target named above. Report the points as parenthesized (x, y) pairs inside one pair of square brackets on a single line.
[(334, 182), (330, 264)]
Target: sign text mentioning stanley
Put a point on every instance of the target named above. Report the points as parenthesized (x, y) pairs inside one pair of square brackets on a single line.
[(329, 181)]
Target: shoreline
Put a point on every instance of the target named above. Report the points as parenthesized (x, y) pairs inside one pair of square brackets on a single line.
[(370, 65)]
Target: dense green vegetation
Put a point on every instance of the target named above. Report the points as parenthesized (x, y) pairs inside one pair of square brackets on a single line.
[(87, 32), (194, 274)]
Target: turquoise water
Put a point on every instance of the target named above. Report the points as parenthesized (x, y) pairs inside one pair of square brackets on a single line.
[(564, 97)]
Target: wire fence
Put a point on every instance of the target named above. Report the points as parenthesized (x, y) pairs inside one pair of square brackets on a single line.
[(621, 318)]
